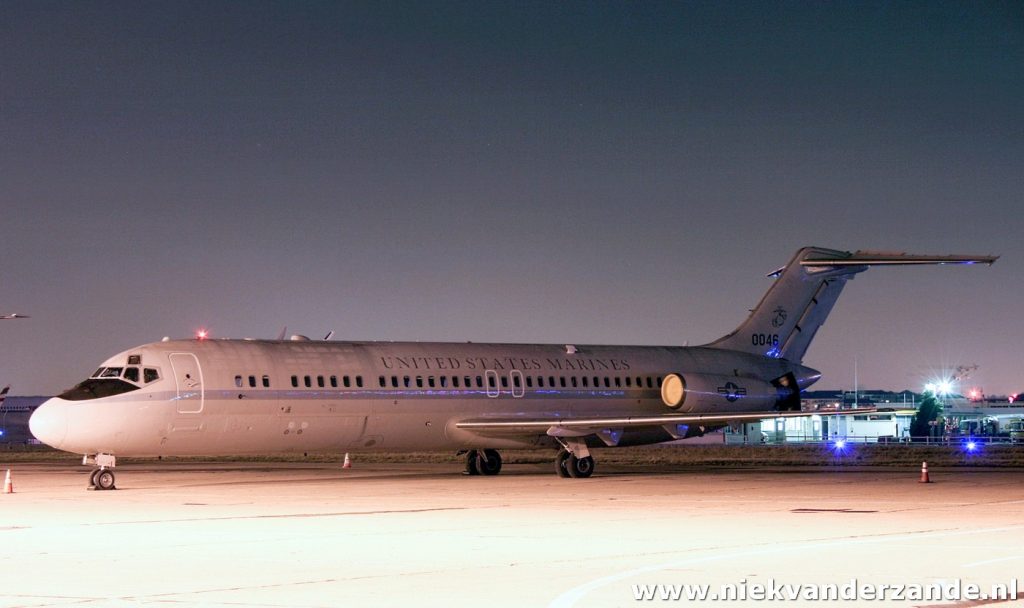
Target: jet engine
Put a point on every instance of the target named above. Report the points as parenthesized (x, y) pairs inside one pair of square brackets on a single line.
[(717, 393)]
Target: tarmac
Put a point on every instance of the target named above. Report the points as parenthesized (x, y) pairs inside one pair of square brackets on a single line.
[(317, 535)]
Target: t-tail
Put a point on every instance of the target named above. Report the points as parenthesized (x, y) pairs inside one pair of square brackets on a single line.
[(797, 304)]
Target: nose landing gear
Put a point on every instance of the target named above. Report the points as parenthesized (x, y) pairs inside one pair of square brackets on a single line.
[(102, 477)]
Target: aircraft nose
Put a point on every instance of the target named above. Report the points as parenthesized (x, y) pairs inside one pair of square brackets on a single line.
[(49, 423)]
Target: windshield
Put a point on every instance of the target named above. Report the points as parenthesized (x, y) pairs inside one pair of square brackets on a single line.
[(94, 388)]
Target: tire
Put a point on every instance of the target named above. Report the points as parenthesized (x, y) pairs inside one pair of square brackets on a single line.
[(580, 468), (104, 479), (471, 468), (488, 462), (92, 479), (561, 463)]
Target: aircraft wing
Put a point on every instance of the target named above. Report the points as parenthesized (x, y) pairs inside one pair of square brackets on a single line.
[(609, 427)]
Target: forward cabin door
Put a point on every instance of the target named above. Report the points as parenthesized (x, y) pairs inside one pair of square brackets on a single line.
[(189, 379)]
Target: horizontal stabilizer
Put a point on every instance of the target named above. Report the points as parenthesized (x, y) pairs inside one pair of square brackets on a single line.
[(871, 258)]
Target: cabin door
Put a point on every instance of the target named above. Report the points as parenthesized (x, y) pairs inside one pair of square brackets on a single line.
[(189, 379)]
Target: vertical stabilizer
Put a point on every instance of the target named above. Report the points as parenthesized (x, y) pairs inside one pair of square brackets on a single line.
[(797, 304)]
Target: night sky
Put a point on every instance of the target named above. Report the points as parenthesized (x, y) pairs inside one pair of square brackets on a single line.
[(565, 172)]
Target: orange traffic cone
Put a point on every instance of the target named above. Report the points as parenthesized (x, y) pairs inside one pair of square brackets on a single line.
[(8, 484), (348, 463), (924, 473)]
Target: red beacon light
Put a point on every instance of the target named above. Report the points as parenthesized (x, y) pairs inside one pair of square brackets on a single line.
[(202, 334)]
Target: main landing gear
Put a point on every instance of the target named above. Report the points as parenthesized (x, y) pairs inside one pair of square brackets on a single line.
[(102, 477), (574, 459), (483, 462)]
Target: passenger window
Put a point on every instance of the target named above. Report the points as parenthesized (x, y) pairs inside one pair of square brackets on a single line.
[(529, 382), (382, 381), (479, 382), (359, 381), (649, 383), (238, 381), (551, 381), (430, 381), (308, 381), (516, 382), (320, 381), (618, 382), (587, 382), (394, 381), (562, 379), (659, 381), (504, 382), (574, 381), (455, 381), (266, 381), (419, 381), (131, 373), (491, 382), (347, 382), (334, 382), (607, 381), (629, 381), (252, 381), (295, 381), (444, 381), (405, 380), (150, 375)]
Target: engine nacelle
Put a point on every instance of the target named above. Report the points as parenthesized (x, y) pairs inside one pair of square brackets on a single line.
[(717, 393)]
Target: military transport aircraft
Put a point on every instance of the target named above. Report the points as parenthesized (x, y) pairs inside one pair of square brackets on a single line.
[(224, 397)]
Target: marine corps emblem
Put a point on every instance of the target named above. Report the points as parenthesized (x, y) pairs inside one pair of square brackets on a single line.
[(779, 318)]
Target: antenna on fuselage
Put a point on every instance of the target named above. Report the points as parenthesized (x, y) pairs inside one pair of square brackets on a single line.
[(284, 332), (329, 335)]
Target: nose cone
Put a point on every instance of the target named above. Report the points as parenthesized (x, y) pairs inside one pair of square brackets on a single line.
[(49, 423)]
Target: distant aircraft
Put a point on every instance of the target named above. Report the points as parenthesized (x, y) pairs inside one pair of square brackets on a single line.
[(14, 316), (221, 397), (3, 394)]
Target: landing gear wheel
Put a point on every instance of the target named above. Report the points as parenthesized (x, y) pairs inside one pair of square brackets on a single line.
[(488, 462), (561, 461), (471, 458), (580, 467), (104, 479), (92, 479)]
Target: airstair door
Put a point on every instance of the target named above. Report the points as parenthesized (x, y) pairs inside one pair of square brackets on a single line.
[(189, 379)]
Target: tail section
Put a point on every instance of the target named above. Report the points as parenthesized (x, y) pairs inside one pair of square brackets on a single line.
[(797, 304), (3, 394)]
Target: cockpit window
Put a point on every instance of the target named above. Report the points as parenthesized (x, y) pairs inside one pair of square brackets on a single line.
[(95, 388), (131, 373), (150, 375), (110, 372)]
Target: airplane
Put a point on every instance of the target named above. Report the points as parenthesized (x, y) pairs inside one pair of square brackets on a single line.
[(14, 316), (212, 397)]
